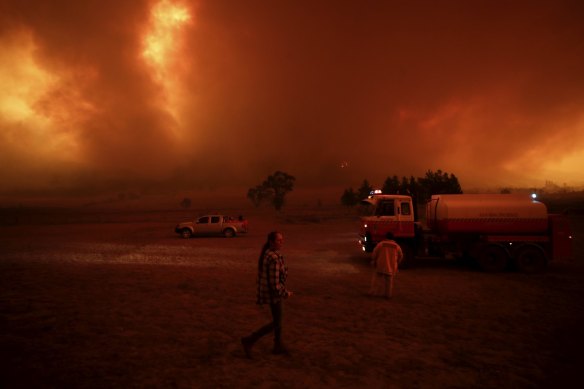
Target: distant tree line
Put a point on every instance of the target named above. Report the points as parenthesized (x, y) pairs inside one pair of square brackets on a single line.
[(275, 187), (420, 189)]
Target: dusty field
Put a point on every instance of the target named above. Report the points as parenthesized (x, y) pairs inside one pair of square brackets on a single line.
[(123, 302)]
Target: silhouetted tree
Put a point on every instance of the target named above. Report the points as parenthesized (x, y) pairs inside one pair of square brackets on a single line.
[(420, 189), (280, 183), (391, 185), (186, 203), (259, 194), (364, 190), (414, 186), (274, 188), (404, 186), (349, 198), (414, 190), (438, 182)]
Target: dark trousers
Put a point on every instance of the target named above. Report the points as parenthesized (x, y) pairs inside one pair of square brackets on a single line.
[(275, 325)]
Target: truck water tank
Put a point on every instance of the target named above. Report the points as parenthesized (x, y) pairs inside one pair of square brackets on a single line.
[(486, 214)]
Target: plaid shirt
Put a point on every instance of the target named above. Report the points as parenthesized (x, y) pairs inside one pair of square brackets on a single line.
[(271, 282)]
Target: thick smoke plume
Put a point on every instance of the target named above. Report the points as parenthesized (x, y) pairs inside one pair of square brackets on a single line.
[(97, 94)]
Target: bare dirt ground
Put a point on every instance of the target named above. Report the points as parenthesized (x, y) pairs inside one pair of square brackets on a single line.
[(121, 301)]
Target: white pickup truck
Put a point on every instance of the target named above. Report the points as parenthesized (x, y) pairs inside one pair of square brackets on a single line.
[(227, 226)]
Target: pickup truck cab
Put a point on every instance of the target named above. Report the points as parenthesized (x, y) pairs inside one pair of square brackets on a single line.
[(206, 225)]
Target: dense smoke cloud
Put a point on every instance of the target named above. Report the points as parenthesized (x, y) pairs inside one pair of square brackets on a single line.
[(190, 94)]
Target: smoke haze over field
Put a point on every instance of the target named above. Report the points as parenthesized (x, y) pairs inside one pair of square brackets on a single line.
[(204, 93)]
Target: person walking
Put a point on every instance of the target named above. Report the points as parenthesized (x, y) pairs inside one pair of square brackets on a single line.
[(271, 289), (385, 259)]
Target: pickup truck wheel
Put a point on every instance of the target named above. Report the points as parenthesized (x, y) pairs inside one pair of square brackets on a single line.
[(530, 259), (492, 258), (229, 233), (186, 233)]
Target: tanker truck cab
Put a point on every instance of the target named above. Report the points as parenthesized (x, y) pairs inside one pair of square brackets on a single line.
[(386, 214)]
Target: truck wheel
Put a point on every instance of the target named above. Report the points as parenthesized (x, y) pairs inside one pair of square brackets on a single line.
[(229, 233), (186, 233), (492, 258), (530, 259)]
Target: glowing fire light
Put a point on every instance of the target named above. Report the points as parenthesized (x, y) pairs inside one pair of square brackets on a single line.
[(161, 42), (161, 52), (25, 116), (19, 96)]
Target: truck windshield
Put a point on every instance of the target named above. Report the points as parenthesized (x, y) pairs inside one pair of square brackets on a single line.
[(385, 208)]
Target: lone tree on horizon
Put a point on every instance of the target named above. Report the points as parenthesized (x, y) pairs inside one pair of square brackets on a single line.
[(258, 194), (274, 188)]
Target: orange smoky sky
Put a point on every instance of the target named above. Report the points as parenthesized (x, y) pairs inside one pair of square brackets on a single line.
[(99, 93)]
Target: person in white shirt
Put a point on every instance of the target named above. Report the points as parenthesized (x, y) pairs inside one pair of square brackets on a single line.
[(385, 259)]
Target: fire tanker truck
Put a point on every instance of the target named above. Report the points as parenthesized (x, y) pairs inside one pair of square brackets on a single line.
[(497, 231)]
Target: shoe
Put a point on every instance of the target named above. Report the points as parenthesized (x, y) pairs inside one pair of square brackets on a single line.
[(246, 342)]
